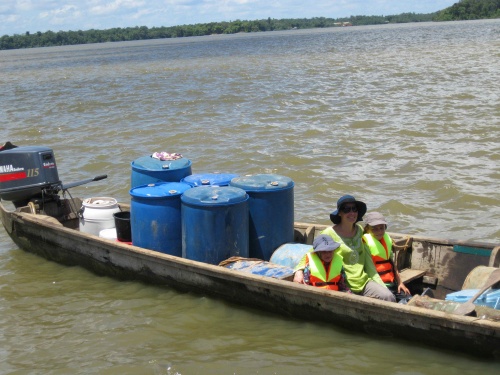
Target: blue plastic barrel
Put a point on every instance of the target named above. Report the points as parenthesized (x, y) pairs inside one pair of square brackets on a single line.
[(212, 179), (290, 254), (271, 212), (155, 216), (148, 170), (214, 223)]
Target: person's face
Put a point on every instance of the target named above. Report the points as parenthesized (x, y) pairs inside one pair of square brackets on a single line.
[(326, 256), (349, 212), (378, 231)]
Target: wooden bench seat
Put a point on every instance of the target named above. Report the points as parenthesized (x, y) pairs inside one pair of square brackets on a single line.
[(409, 274)]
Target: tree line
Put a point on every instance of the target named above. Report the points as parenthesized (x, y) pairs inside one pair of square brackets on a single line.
[(463, 10), (61, 38), (470, 10)]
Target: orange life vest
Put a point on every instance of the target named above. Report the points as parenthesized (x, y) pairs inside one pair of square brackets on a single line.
[(381, 257), (320, 277)]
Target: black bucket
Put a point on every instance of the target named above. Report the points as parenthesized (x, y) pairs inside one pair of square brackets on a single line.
[(122, 224)]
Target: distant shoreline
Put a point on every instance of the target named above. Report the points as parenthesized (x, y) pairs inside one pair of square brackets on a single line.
[(463, 10)]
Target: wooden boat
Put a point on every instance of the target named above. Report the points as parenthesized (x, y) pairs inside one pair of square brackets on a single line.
[(440, 265), (43, 221)]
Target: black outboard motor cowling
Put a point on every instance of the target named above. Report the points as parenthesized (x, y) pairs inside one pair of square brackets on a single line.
[(27, 172)]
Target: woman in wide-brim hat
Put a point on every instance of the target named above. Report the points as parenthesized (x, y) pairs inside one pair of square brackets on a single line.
[(362, 276), (341, 204)]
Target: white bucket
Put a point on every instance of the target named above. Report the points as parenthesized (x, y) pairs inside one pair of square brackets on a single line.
[(109, 234), (96, 214)]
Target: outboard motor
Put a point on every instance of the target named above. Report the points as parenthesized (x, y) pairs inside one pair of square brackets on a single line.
[(30, 172)]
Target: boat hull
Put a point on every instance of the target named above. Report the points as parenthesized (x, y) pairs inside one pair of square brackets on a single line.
[(48, 238)]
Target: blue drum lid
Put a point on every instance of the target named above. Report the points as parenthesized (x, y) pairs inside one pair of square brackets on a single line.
[(150, 163), (214, 196), (160, 190), (262, 182), (213, 179)]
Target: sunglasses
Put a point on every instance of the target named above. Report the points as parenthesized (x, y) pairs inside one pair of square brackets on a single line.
[(348, 209)]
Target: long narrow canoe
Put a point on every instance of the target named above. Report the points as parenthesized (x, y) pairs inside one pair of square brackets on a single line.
[(432, 265)]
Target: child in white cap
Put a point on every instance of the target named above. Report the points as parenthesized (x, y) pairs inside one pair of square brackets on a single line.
[(380, 245)]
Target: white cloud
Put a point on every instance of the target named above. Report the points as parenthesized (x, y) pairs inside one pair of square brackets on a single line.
[(115, 6), (59, 12), (24, 5)]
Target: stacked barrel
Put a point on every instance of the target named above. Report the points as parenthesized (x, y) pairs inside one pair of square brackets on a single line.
[(208, 217)]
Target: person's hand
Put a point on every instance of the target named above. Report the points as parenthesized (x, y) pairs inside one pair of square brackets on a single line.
[(402, 288), (298, 277)]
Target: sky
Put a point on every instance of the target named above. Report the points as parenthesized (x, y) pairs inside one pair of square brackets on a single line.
[(21, 16)]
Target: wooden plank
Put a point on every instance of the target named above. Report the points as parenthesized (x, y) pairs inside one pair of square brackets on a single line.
[(409, 274), (430, 280)]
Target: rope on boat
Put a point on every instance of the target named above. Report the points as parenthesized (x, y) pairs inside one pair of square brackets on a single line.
[(399, 249), (404, 247), (72, 204), (33, 209)]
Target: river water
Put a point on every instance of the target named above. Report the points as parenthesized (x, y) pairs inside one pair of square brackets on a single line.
[(404, 117)]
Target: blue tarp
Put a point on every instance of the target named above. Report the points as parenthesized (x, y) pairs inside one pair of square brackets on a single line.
[(490, 298)]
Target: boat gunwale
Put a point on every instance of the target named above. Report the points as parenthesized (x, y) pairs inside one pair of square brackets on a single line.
[(431, 240)]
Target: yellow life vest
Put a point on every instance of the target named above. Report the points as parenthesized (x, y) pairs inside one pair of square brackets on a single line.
[(381, 257), (321, 277)]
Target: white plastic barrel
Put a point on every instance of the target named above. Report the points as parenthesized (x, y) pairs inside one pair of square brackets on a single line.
[(96, 214)]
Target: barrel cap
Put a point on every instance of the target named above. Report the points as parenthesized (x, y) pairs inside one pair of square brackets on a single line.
[(262, 182), (152, 164), (214, 196), (159, 190), (213, 179)]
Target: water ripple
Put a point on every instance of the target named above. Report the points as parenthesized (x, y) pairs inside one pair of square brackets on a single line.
[(405, 117)]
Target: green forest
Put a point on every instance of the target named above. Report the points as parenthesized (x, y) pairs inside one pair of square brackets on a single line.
[(463, 10)]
